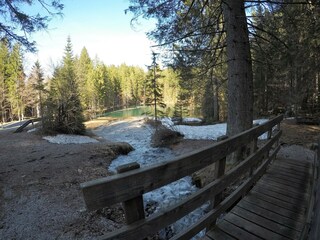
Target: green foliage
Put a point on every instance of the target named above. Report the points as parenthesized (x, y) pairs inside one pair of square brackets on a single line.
[(18, 19), (15, 83), (63, 108), (35, 91), (4, 56), (286, 53), (154, 90)]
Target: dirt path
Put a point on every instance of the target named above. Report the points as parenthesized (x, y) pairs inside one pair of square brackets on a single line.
[(299, 134), (40, 196)]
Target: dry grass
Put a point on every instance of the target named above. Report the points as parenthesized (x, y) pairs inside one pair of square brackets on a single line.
[(92, 124)]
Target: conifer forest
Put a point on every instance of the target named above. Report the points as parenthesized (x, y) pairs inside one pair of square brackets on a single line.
[(194, 76)]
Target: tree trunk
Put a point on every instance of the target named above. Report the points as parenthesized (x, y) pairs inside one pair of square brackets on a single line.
[(240, 77), (216, 101)]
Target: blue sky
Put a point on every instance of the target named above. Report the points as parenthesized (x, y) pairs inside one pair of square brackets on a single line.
[(99, 25)]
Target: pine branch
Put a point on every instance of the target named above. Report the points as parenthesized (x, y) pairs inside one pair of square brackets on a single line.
[(267, 32)]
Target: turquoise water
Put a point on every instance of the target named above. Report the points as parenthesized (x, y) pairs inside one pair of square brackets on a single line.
[(129, 112)]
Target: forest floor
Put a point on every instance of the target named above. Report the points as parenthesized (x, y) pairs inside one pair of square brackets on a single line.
[(40, 197)]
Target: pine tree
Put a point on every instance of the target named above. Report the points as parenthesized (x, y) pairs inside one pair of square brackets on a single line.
[(19, 19), (15, 83), (154, 96), (84, 67), (4, 55), (64, 112), (36, 90)]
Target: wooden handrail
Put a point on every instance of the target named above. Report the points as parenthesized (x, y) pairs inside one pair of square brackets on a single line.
[(129, 185), (312, 222)]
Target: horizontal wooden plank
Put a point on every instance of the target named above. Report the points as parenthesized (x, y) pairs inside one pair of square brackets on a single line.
[(236, 231), (274, 216), (253, 228), (224, 205), (171, 214), (291, 170), (303, 177), (285, 181), (274, 194), (218, 234), (271, 207), (107, 191), (302, 168), (282, 175), (283, 187), (266, 223), (282, 191), (295, 162), (281, 201), (295, 207)]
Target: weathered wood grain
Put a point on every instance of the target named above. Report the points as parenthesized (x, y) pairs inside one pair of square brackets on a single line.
[(130, 183), (288, 222), (218, 234), (158, 221), (253, 228), (266, 223), (224, 205), (285, 202), (133, 208), (237, 232), (107, 191), (273, 209)]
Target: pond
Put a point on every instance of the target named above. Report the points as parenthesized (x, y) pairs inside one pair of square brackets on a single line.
[(129, 112)]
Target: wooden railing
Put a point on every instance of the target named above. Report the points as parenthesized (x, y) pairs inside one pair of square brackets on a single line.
[(312, 222), (131, 183)]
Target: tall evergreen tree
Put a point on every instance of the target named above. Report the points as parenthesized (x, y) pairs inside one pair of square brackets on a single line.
[(36, 89), (285, 49), (83, 67), (4, 56), (154, 95), (193, 26), (64, 111), (15, 83)]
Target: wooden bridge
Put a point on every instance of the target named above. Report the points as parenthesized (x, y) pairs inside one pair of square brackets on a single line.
[(274, 200)]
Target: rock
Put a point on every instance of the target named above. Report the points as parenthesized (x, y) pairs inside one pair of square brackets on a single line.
[(122, 148), (163, 137)]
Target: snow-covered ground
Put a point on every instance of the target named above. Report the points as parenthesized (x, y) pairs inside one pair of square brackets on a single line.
[(211, 132), (69, 139), (138, 134)]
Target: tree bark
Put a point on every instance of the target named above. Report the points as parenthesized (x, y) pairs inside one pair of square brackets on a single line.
[(240, 76)]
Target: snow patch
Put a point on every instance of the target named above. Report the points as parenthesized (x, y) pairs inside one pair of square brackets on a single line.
[(171, 194), (32, 130), (138, 134), (192, 120), (69, 139), (209, 132)]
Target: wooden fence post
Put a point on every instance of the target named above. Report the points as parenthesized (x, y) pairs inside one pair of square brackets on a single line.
[(278, 129), (219, 170), (269, 134), (133, 208), (253, 149)]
